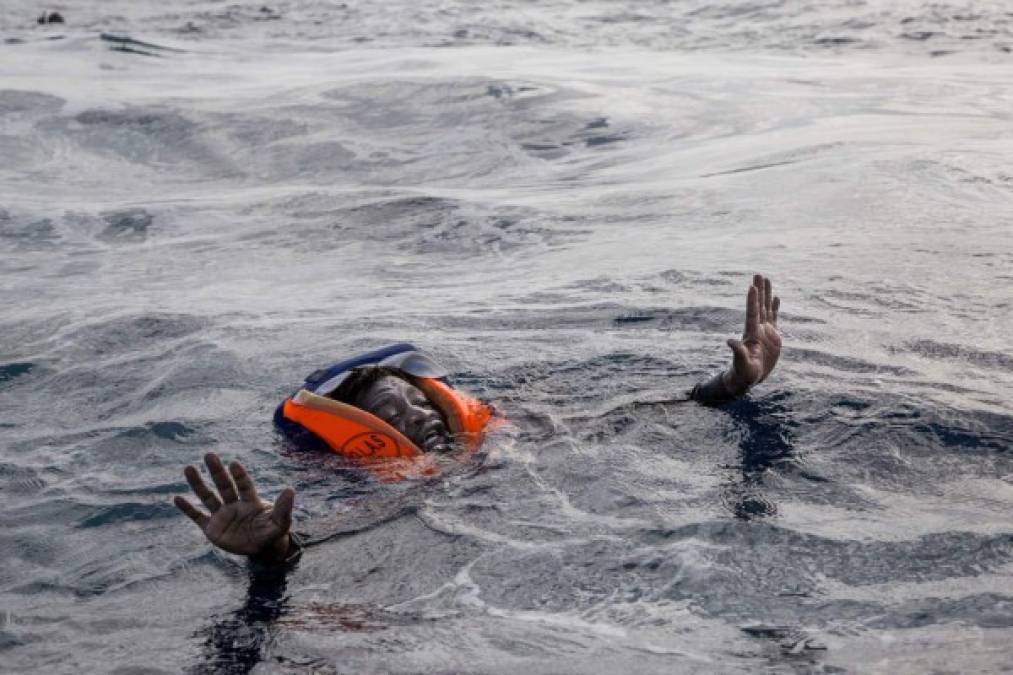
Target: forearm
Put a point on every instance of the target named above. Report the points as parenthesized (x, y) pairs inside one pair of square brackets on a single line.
[(723, 387), (284, 551)]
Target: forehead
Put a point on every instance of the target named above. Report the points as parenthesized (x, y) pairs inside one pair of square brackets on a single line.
[(389, 384)]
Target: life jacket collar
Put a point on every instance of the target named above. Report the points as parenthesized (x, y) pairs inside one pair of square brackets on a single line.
[(414, 363), (358, 434)]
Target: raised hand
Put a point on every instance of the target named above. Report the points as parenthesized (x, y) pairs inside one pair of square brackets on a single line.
[(756, 354), (239, 521)]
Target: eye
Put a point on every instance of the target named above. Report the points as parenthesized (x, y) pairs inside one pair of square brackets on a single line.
[(386, 406), (419, 399)]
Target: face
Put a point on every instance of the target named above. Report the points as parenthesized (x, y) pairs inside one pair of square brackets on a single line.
[(406, 408)]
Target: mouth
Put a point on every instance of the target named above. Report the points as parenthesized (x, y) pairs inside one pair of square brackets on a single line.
[(436, 438)]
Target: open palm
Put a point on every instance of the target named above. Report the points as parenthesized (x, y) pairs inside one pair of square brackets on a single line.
[(756, 354), (239, 520)]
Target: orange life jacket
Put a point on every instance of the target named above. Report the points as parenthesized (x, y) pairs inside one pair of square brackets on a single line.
[(365, 438)]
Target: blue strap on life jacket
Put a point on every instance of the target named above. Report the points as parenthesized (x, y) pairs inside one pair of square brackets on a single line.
[(296, 432)]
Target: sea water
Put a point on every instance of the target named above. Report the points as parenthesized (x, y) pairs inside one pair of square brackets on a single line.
[(564, 202)]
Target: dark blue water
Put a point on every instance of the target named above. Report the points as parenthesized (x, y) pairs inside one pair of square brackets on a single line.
[(564, 203)]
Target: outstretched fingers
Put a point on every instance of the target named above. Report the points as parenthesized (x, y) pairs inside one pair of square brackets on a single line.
[(768, 300), (282, 512), (191, 512), (247, 490), (775, 308), (207, 497), (752, 312), (226, 488), (760, 296)]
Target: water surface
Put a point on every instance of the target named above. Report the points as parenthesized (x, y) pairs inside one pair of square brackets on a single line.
[(564, 203)]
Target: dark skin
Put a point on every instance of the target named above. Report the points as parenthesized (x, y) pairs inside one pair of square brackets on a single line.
[(240, 522), (756, 354), (406, 408)]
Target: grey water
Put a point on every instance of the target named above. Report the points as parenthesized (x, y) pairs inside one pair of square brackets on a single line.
[(202, 202)]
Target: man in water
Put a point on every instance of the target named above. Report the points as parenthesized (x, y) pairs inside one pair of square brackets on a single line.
[(240, 522)]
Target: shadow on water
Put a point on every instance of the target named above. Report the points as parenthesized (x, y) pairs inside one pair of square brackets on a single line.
[(765, 446), (240, 640), (235, 643)]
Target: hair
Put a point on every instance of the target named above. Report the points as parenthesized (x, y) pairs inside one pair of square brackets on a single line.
[(359, 380)]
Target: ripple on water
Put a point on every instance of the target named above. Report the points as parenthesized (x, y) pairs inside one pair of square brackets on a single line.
[(499, 126), (130, 224), (434, 227), (142, 140), (17, 479), (25, 103), (708, 565), (11, 371), (932, 349), (28, 234), (538, 217)]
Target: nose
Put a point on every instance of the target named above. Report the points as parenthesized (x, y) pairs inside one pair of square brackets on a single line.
[(416, 418)]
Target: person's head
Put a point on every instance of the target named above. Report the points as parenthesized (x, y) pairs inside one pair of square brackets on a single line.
[(399, 403)]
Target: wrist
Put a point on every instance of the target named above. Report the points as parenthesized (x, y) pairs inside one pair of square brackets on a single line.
[(734, 384), (276, 552)]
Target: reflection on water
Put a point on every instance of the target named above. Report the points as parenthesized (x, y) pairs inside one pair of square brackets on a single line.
[(766, 450), (563, 203), (235, 643)]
